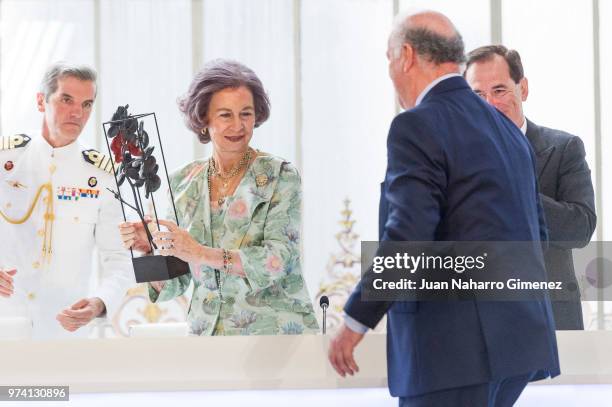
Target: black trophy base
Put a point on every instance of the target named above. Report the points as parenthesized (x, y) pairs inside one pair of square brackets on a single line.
[(158, 268)]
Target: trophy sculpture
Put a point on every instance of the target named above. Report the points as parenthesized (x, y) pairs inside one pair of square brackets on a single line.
[(135, 164)]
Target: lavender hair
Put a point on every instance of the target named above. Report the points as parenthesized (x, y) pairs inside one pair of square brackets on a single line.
[(217, 75)]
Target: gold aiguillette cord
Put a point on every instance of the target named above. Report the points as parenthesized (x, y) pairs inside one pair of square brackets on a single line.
[(49, 217)]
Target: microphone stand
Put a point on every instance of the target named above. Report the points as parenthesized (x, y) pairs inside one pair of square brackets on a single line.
[(324, 303)]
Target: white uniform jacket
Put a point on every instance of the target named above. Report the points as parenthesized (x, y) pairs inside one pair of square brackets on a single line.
[(53, 248)]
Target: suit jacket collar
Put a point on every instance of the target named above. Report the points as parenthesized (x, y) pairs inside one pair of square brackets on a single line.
[(533, 135), (447, 85), (539, 146)]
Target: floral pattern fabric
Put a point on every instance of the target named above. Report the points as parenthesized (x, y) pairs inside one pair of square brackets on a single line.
[(262, 222)]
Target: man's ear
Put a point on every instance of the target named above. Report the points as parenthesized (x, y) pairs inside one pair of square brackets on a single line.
[(408, 57), (40, 101), (524, 88)]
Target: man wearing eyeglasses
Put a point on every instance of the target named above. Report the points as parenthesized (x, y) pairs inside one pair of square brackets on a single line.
[(496, 74)]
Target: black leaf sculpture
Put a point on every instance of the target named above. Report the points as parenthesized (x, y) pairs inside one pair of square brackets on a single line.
[(128, 144), (138, 166)]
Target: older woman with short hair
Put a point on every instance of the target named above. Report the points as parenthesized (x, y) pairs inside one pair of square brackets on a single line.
[(240, 214)]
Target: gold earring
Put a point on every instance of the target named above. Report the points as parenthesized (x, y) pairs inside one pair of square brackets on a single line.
[(204, 132)]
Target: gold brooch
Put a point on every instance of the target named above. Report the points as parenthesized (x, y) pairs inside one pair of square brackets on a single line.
[(261, 180)]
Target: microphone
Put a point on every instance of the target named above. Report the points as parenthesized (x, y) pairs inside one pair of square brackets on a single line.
[(324, 303)]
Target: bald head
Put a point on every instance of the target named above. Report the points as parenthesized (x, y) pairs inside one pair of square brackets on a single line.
[(433, 21), (432, 35)]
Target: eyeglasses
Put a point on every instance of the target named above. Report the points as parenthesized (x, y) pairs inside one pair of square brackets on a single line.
[(497, 93)]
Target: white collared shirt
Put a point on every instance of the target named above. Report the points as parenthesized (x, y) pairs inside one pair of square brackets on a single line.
[(432, 84)]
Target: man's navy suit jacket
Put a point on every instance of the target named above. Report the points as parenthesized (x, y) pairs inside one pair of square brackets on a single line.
[(459, 170)]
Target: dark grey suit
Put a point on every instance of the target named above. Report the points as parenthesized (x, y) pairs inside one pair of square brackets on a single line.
[(567, 195)]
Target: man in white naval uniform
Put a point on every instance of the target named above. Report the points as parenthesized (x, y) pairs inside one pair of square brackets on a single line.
[(54, 211)]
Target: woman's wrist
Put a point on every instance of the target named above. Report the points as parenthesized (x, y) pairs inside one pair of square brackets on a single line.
[(227, 261), (205, 255)]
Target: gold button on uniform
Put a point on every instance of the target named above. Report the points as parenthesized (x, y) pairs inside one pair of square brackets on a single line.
[(52, 168), (76, 218), (36, 265), (31, 296)]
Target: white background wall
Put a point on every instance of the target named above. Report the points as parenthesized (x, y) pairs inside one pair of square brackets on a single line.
[(323, 63)]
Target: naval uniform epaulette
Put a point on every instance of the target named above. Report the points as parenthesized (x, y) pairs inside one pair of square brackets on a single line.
[(97, 159), (12, 142)]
